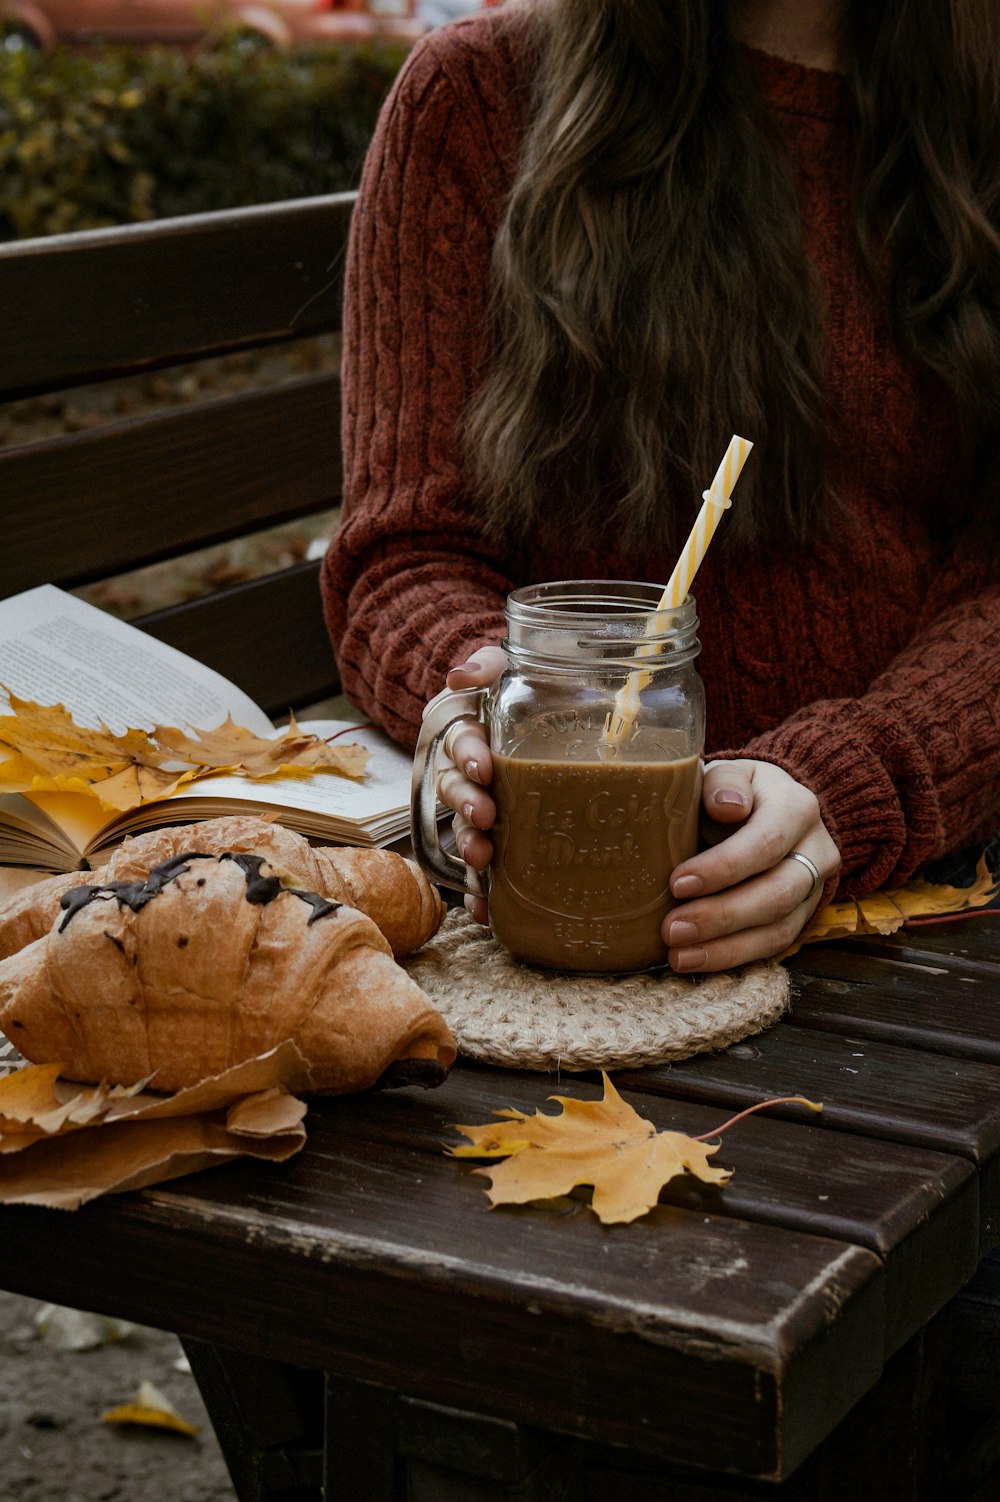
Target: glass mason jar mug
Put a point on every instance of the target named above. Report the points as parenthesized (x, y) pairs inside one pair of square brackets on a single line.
[(596, 730)]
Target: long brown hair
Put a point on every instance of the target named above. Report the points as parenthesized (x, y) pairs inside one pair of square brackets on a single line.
[(633, 327)]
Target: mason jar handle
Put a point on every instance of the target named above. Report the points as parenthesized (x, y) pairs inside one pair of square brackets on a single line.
[(439, 716)]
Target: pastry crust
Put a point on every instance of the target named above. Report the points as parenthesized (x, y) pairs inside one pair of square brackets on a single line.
[(206, 963), (392, 890), (31, 912)]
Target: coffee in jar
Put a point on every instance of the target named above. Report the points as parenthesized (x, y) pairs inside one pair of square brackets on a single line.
[(583, 853)]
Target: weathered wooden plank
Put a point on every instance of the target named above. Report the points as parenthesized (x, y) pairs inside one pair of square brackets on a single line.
[(917, 1210), (900, 993), (877, 1090), (892, 1447), (348, 1261), (895, 1008), (974, 938), (105, 302), (880, 1090), (89, 505)]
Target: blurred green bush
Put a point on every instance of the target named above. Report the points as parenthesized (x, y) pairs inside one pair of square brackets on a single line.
[(118, 135)]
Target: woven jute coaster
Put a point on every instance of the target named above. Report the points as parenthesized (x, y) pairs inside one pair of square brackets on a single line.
[(504, 1012)]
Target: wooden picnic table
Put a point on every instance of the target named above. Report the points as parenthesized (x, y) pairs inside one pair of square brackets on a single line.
[(779, 1336)]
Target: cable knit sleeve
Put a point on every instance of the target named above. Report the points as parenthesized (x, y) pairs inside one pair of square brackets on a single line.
[(910, 769), (410, 586)]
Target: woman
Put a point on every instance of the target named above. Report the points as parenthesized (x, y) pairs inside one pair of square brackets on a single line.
[(596, 237)]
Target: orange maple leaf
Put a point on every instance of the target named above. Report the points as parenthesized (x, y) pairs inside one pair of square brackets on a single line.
[(603, 1143), (231, 746)]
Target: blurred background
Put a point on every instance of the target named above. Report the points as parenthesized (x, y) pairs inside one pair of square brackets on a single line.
[(114, 111)]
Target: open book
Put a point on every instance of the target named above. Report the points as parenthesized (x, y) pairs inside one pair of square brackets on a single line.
[(56, 649)]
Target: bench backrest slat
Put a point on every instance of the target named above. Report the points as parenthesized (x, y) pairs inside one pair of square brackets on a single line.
[(98, 303), (94, 504), (81, 507), (274, 620)]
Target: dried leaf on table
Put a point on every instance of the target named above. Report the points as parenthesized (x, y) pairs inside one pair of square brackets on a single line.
[(603, 1143), (49, 752), (63, 1144), (152, 1410), (34, 1103), (886, 911), (25, 1096)]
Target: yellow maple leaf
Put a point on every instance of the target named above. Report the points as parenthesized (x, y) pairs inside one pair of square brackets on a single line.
[(131, 786), (25, 1096), (46, 739), (52, 753), (48, 731), (36, 1103), (886, 911), (295, 751), (49, 752), (25, 1092), (603, 1143), (230, 746)]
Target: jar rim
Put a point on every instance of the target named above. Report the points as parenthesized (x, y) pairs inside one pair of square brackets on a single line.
[(606, 620), (631, 604), (626, 599)]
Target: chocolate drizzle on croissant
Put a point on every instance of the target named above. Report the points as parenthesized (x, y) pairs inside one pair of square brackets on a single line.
[(260, 889), (130, 894)]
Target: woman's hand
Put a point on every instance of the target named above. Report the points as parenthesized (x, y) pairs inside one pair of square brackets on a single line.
[(463, 786), (744, 898)]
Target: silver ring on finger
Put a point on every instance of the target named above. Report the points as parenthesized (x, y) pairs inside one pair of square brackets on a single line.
[(817, 880), (447, 741)]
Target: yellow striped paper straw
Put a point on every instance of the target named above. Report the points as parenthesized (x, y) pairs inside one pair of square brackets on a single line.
[(715, 501)]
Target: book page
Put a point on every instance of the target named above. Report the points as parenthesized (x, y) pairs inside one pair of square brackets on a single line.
[(57, 649), (29, 837), (77, 817)]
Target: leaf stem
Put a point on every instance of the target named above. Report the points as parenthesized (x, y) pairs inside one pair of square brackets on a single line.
[(778, 1100), (349, 730)]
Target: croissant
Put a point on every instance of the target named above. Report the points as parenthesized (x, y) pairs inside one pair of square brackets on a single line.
[(209, 961), (31, 912), (393, 891)]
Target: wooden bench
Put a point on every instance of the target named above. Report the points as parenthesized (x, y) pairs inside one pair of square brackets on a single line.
[(83, 308), (784, 1338)]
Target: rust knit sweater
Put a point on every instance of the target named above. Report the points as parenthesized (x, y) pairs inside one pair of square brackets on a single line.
[(868, 666)]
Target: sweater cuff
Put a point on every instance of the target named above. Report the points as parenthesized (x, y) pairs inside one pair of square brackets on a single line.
[(874, 787)]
